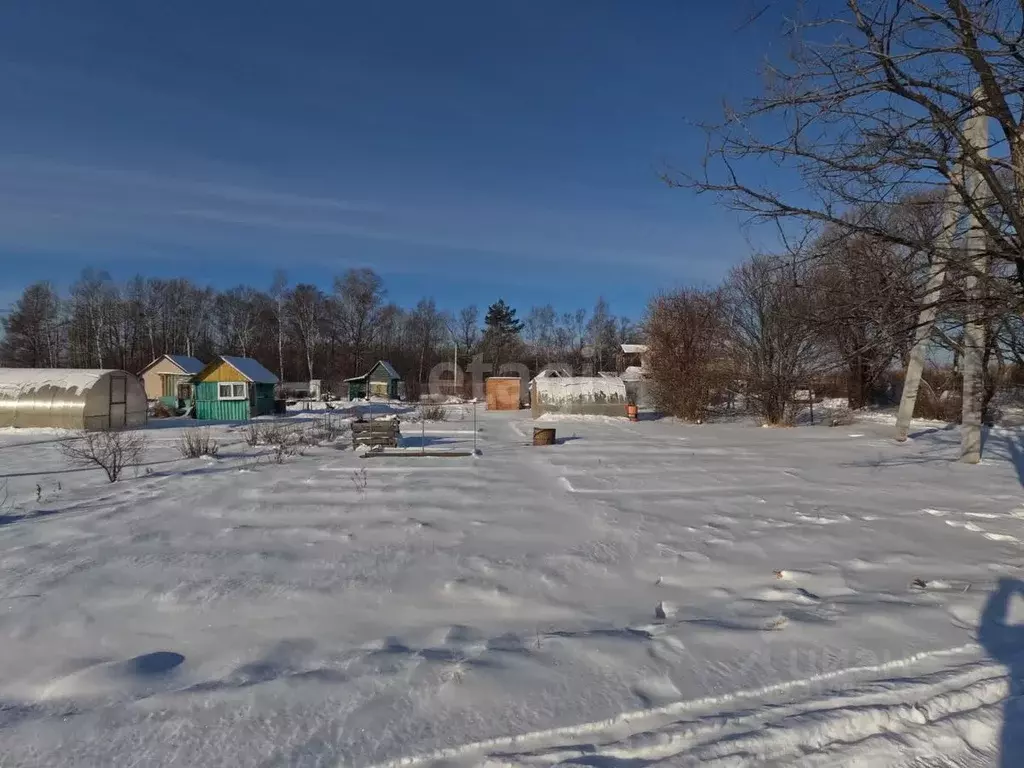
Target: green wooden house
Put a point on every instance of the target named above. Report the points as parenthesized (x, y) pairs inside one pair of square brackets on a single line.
[(380, 381), (234, 389)]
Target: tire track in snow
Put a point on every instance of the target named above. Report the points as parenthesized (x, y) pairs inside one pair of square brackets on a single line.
[(715, 490), (661, 742)]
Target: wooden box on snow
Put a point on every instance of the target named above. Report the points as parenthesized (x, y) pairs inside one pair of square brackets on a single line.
[(503, 393)]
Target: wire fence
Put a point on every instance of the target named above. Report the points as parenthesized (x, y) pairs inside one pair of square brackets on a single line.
[(415, 417)]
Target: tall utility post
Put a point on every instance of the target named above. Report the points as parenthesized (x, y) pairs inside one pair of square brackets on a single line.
[(976, 133), (926, 318)]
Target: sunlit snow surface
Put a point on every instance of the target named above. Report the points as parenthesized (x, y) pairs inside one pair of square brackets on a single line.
[(821, 591)]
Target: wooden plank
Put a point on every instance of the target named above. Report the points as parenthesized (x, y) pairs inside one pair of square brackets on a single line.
[(415, 454)]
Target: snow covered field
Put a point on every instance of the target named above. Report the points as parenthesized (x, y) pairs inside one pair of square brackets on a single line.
[(822, 592)]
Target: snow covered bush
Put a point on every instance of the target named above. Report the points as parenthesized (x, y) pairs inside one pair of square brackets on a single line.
[(196, 442), (110, 449)]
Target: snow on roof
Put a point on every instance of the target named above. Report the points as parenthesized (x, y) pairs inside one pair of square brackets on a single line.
[(550, 373), (14, 381), (251, 369), (389, 369), (633, 373), (187, 364), (634, 349)]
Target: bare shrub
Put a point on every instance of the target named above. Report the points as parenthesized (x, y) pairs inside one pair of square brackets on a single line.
[(936, 403), (251, 434), (326, 429), (686, 331), (360, 480), (433, 412), (284, 441), (110, 449), (843, 417), (196, 442)]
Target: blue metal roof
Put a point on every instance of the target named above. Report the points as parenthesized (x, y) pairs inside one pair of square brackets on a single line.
[(251, 369), (187, 364)]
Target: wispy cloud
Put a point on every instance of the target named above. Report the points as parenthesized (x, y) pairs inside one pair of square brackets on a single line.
[(45, 205)]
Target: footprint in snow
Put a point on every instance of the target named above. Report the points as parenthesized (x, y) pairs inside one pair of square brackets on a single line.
[(1000, 537), (966, 526)]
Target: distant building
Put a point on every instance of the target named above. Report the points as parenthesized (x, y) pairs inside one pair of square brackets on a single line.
[(169, 379), (633, 364), (633, 360), (300, 390), (234, 389), (382, 380)]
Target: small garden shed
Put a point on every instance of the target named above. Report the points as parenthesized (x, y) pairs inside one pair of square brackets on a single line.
[(234, 389), (169, 378), (380, 381), (503, 393)]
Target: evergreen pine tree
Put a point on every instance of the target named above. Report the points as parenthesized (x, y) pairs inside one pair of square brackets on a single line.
[(501, 334)]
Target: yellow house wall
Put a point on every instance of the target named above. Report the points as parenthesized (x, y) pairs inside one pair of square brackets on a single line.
[(151, 379), (223, 372)]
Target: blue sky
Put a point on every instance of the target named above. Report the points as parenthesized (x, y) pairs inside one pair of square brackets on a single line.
[(464, 150)]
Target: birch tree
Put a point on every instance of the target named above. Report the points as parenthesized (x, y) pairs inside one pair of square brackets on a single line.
[(871, 107)]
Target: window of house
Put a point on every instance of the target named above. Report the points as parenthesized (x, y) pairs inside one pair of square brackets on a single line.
[(231, 391)]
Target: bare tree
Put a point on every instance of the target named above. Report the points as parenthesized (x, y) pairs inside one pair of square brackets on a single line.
[(304, 311), (687, 334), (32, 331), (112, 450), (601, 334), (238, 319), (469, 327), (360, 295), (571, 337), (426, 331), (871, 107), (278, 292), (866, 304), (539, 333), (773, 344)]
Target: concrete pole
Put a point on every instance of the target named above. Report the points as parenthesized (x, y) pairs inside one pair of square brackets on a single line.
[(926, 318), (976, 130)]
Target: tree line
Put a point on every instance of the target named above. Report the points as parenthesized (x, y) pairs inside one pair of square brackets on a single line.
[(298, 331), (896, 132), (839, 314)]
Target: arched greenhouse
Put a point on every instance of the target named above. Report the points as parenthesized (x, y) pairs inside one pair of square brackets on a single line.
[(70, 398)]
